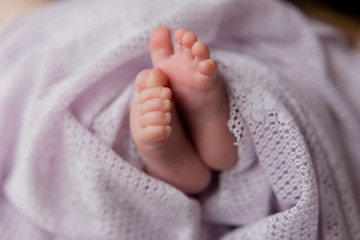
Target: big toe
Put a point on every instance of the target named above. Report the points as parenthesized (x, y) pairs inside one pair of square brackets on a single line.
[(150, 78), (160, 44)]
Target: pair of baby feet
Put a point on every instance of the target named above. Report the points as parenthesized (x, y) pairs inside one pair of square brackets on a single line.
[(179, 114)]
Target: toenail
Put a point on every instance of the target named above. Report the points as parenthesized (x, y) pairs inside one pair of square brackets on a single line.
[(168, 129), (166, 103), (167, 118), (164, 92)]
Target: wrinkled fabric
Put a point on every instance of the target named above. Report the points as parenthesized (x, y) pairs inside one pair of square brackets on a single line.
[(69, 169)]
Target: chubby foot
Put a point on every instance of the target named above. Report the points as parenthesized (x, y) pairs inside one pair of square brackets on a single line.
[(198, 92), (188, 66), (159, 136)]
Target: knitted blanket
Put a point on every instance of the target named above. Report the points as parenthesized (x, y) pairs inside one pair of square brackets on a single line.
[(69, 169)]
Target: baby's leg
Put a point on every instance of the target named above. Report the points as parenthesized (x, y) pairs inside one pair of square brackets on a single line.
[(198, 92), (158, 134)]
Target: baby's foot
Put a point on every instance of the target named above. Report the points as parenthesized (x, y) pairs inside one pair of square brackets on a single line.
[(198, 93), (158, 134)]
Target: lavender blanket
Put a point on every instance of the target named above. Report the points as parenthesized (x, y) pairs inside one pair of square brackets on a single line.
[(70, 171)]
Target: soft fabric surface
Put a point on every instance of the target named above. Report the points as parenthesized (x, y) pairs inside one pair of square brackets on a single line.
[(69, 169)]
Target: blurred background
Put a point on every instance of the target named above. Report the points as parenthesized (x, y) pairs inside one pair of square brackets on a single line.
[(344, 14)]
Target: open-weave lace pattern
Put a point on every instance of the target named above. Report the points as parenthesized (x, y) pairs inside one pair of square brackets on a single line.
[(69, 169)]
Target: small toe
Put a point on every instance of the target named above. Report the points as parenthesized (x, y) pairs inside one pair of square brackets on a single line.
[(155, 133), (157, 118), (156, 92), (208, 67), (155, 104), (179, 34), (200, 51), (188, 39)]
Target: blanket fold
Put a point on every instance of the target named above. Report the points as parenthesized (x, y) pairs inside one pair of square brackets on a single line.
[(70, 170)]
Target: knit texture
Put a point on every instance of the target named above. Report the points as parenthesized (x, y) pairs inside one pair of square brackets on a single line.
[(69, 169)]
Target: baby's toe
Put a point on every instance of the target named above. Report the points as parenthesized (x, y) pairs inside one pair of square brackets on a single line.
[(208, 67), (150, 78), (156, 92), (156, 118), (156, 78), (155, 104), (140, 80), (160, 44), (200, 51), (179, 33), (188, 40), (154, 134)]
